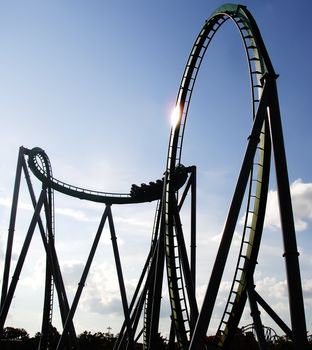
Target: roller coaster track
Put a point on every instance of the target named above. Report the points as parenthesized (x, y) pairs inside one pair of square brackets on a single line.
[(50, 235), (36, 154), (259, 65), (38, 160), (188, 325)]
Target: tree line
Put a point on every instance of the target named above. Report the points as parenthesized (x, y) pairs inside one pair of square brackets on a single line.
[(18, 339)]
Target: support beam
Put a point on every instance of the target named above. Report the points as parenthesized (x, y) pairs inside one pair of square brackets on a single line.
[(155, 291), (193, 226), (20, 262), (267, 308), (198, 338), (291, 254), (121, 280), (255, 314), (8, 255), (83, 278), (52, 259)]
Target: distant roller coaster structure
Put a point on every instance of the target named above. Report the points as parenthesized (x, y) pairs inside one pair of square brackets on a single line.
[(189, 325)]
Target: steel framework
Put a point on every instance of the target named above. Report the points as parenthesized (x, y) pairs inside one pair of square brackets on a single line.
[(168, 252)]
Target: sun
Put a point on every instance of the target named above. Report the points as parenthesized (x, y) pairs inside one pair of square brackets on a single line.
[(175, 116)]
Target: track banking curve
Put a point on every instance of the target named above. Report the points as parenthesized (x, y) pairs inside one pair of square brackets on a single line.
[(259, 66), (39, 163), (37, 157)]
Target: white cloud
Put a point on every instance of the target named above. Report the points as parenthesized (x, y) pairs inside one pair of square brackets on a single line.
[(101, 291), (307, 290), (34, 276), (71, 272), (137, 219), (237, 237), (301, 194), (272, 216), (271, 251), (78, 215), (302, 203), (101, 294), (7, 202)]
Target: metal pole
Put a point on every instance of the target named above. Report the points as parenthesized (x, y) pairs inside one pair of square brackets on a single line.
[(150, 262), (193, 227), (191, 184), (154, 293), (288, 228), (53, 265), (155, 290), (53, 260), (255, 314), (20, 261), (149, 269), (120, 279), (48, 295), (8, 255), (204, 317), (83, 278), (273, 315)]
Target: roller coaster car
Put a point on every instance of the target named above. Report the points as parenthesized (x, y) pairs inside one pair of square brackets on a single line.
[(153, 190), (179, 176)]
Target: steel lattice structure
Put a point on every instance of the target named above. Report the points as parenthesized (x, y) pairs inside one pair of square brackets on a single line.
[(168, 252)]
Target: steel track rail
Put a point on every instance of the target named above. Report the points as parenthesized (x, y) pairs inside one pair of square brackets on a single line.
[(258, 64), (37, 155), (49, 283)]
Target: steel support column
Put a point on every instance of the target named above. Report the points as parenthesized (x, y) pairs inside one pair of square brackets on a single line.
[(8, 255), (296, 305), (155, 291), (255, 314), (273, 315), (20, 262), (52, 259), (156, 273), (83, 278), (193, 226), (136, 308), (198, 338), (120, 280)]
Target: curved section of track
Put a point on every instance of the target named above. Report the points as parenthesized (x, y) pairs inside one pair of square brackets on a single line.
[(259, 64), (37, 157)]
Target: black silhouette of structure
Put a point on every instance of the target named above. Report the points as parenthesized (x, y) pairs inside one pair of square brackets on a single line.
[(168, 251)]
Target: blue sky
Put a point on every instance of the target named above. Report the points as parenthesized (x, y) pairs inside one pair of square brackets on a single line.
[(93, 83)]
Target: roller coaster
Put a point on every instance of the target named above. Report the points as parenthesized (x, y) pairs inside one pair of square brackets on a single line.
[(168, 258)]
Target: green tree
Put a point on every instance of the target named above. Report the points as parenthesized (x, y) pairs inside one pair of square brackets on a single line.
[(14, 333)]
